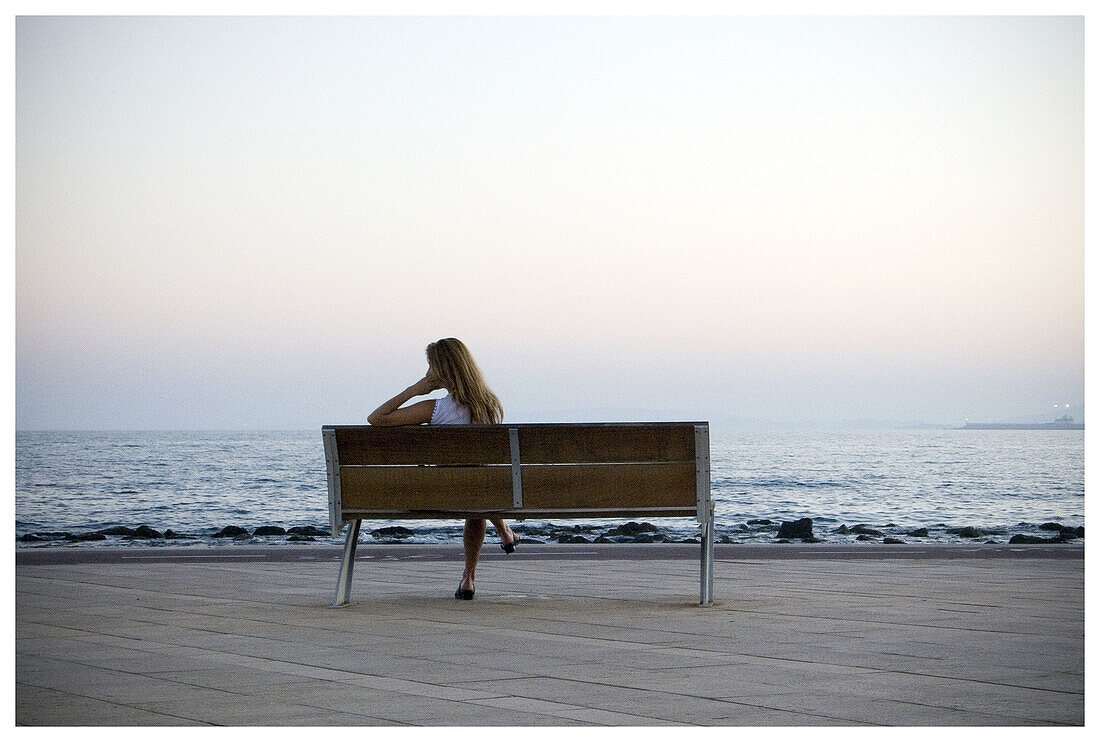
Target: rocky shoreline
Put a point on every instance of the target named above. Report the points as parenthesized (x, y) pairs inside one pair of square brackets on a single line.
[(752, 531)]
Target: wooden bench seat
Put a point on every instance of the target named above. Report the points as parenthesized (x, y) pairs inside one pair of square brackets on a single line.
[(517, 472)]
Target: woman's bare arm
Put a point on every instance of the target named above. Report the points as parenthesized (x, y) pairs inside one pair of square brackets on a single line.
[(392, 413)]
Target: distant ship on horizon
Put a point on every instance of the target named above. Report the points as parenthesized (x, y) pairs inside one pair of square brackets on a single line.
[(1063, 423)]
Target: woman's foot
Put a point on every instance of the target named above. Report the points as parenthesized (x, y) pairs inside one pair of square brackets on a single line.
[(509, 544), (465, 589)]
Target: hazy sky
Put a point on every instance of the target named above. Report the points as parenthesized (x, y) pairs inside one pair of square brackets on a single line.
[(261, 222)]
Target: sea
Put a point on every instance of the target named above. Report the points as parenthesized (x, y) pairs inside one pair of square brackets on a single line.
[(1000, 482)]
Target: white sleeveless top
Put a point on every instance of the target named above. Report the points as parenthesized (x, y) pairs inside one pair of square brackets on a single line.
[(449, 412)]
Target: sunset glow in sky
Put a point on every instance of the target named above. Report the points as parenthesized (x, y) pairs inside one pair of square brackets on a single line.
[(261, 222)]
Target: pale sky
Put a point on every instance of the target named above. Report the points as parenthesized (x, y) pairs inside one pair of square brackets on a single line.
[(261, 222)]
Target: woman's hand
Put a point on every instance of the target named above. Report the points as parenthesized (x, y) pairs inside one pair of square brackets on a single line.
[(427, 385)]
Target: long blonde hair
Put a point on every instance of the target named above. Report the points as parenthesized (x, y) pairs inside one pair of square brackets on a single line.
[(451, 363)]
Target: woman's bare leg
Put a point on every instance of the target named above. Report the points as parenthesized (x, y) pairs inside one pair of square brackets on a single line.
[(473, 536), (507, 536)]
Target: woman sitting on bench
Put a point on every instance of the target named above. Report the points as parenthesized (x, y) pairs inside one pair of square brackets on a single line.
[(469, 400)]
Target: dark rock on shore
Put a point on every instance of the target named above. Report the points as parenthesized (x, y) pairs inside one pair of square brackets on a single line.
[(632, 529), (651, 538), (801, 528), (269, 531), (231, 532), (87, 537), (865, 537), (812, 540), (307, 531), (392, 532), (968, 532), (1022, 538), (147, 532), (172, 534), (889, 540), (760, 522), (919, 533), (864, 530), (844, 530), (1069, 532), (30, 538), (603, 540), (298, 537), (117, 531), (1051, 527), (575, 539), (557, 533)]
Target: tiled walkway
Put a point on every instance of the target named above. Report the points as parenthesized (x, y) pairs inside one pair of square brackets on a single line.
[(552, 641)]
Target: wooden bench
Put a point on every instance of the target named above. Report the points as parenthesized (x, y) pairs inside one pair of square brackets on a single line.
[(519, 471)]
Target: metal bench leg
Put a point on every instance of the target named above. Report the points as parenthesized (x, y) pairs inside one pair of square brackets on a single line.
[(706, 559), (347, 564)]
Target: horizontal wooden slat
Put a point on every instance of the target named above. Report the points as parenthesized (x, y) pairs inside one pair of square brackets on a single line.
[(608, 486), (426, 487), (606, 443), (423, 444), (525, 514)]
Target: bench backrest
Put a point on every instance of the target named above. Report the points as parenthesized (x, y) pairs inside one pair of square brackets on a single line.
[(532, 470)]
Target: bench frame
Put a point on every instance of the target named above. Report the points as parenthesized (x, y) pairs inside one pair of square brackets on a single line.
[(703, 511)]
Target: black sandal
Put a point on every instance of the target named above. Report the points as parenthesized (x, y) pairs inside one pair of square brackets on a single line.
[(464, 594), (510, 547)]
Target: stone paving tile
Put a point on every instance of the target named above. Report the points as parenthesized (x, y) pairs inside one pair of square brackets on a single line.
[(391, 706), (325, 719), (236, 680), (719, 681), (363, 680), (259, 711), (656, 706), (45, 707), (510, 662), (155, 691), (485, 716), (460, 668), (571, 712), (758, 716), (859, 709), (126, 660), (61, 675), (1025, 704)]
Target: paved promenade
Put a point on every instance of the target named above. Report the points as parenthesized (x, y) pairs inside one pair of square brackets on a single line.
[(557, 635)]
